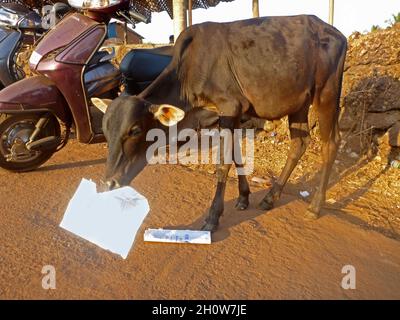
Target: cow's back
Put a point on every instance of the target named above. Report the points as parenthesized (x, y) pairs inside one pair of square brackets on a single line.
[(271, 64)]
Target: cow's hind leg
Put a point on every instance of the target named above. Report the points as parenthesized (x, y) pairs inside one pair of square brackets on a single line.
[(244, 190), (327, 107), (300, 138)]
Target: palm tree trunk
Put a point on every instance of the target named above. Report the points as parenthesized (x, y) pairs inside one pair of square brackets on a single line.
[(179, 11), (331, 11), (190, 15), (256, 9)]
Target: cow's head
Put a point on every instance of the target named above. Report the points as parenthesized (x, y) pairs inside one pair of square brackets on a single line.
[(125, 125)]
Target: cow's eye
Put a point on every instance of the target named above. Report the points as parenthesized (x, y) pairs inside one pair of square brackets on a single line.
[(135, 131)]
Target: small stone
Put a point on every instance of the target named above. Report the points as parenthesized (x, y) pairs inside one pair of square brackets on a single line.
[(353, 155), (268, 126)]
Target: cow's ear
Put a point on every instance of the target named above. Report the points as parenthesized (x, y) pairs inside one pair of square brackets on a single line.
[(101, 104), (168, 115)]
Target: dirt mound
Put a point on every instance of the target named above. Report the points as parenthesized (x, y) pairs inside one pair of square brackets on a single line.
[(381, 47), (371, 90)]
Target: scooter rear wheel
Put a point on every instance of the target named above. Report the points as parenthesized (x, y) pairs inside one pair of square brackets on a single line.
[(15, 132)]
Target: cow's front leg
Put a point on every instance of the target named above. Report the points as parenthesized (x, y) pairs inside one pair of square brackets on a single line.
[(225, 162)]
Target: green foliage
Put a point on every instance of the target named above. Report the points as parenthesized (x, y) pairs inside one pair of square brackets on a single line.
[(395, 19), (375, 28)]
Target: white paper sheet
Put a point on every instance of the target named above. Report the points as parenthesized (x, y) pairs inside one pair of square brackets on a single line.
[(177, 236), (108, 219)]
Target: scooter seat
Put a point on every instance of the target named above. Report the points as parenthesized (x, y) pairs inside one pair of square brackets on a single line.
[(97, 57), (101, 78), (144, 65)]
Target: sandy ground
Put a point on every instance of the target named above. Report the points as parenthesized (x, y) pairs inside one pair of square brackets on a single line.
[(254, 254)]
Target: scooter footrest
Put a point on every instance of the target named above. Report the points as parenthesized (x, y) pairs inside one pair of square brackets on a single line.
[(44, 144)]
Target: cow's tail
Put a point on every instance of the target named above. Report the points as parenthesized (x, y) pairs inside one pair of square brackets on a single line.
[(341, 64), (180, 48), (342, 50)]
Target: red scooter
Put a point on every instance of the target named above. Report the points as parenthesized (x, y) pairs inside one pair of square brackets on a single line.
[(71, 71)]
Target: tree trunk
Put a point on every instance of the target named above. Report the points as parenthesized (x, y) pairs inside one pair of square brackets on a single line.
[(331, 11), (190, 15), (256, 9), (180, 23)]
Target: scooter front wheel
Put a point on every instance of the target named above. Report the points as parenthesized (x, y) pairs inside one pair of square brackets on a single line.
[(15, 134)]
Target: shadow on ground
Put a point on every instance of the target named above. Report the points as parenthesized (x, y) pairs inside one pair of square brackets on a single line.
[(71, 165)]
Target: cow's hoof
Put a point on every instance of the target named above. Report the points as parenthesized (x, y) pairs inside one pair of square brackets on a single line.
[(310, 215), (241, 204), (212, 227), (265, 205)]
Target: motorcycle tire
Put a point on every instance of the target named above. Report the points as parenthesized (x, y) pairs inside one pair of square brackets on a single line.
[(21, 127)]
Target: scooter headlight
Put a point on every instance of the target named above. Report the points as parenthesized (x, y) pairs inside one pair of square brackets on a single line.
[(93, 4)]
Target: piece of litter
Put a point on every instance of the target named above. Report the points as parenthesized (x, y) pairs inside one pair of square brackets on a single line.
[(331, 201), (177, 236), (304, 194), (108, 219), (395, 164)]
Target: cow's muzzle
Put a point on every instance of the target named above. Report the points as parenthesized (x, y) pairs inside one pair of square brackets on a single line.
[(112, 184)]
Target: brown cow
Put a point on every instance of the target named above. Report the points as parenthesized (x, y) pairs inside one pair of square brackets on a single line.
[(268, 67)]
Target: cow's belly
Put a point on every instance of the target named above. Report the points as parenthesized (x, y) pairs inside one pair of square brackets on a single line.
[(275, 94), (277, 90), (275, 107)]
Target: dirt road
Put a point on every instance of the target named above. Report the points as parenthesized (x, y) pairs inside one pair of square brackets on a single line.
[(255, 254)]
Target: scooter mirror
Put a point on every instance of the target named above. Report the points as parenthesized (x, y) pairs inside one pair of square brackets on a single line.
[(138, 17), (60, 9)]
